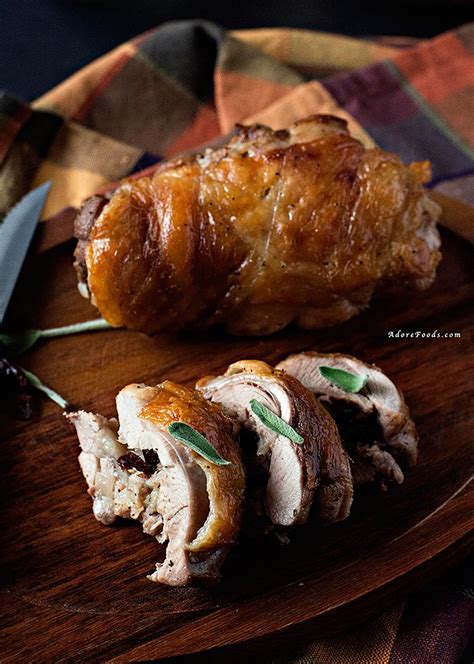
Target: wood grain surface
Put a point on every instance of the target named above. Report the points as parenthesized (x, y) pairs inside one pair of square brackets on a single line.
[(74, 590)]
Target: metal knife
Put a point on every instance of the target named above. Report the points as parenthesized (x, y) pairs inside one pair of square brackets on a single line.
[(16, 232)]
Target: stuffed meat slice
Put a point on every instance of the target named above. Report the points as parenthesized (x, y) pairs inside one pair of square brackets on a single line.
[(374, 423), (135, 468), (301, 462)]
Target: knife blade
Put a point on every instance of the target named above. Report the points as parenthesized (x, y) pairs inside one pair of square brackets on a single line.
[(16, 232)]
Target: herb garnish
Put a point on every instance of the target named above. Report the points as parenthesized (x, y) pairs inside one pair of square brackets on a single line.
[(23, 341), (273, 422), (54, 396), (189, 436), (346, 380)]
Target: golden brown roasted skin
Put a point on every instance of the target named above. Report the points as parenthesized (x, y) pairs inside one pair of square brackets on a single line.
[(295, 225)]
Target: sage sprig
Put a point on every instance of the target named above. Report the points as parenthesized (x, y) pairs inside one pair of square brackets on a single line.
[(191, 438), (273, 422), (345, 380), (23, 341), (39, 385)]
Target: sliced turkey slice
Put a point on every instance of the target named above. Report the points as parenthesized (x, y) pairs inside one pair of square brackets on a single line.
[(374, 424), (183, 499), (297, 473)]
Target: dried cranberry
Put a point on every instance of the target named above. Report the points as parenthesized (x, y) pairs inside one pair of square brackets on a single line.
[(15, 390), (151, 458), (132, 460)]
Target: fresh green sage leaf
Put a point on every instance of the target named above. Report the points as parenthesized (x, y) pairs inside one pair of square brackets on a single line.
[(189, 436), (39, 385), (274, 422), (23, 341), (346, 380)]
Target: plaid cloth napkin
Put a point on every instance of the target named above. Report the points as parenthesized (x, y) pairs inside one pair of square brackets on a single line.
[(187, 83)]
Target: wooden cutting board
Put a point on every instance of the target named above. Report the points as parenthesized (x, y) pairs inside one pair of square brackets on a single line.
[(75, 590)]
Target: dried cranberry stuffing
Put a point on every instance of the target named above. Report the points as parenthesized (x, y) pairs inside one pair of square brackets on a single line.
[(132, 460), (16, 396), (151, 458)]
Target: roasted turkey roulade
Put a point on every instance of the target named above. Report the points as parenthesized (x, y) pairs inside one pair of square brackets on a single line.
[(139, 470), (278, 226), (300, 454), (374, 423)]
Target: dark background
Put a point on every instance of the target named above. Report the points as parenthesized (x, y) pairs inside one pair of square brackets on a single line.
[(44, 41)]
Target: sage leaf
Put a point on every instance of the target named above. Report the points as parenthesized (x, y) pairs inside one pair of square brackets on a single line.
[(23, 341), (345, 380), (39, 385), (191, 438), (273, 422)]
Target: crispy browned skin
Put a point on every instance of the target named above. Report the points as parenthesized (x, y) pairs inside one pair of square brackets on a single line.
[(294, 225)]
